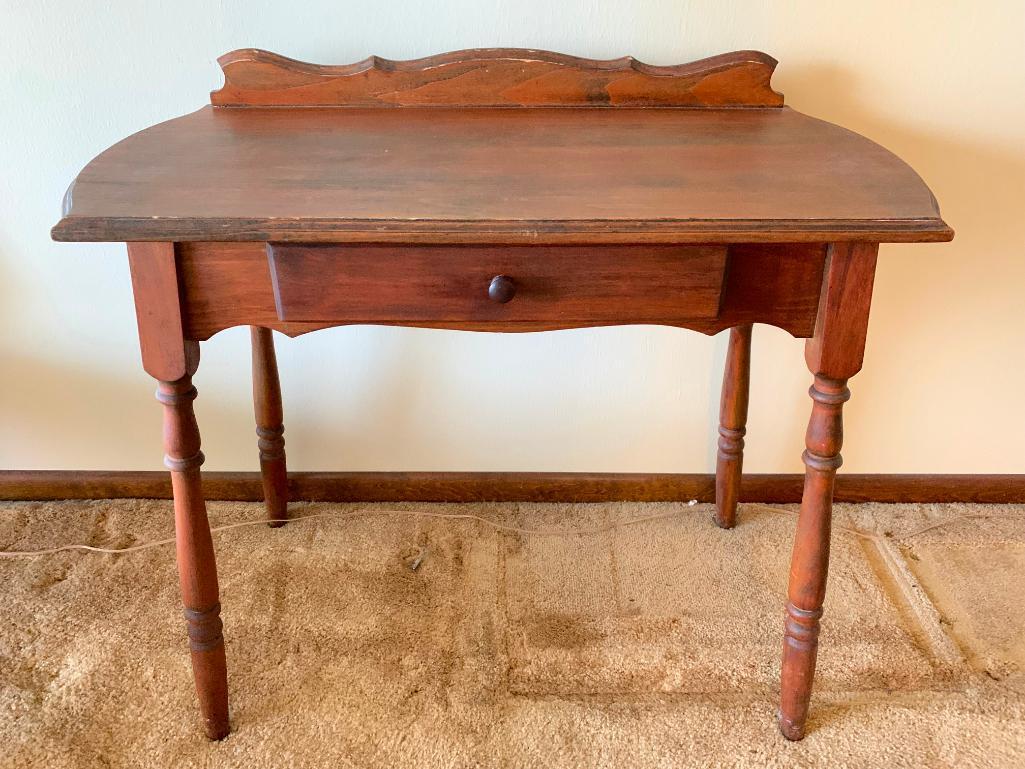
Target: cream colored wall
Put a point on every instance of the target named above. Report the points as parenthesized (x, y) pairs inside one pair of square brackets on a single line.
[(942, 84)]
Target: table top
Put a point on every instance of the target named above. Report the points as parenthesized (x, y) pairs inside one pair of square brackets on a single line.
[(569, 171)]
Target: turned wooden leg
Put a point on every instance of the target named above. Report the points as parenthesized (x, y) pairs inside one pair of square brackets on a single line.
[(172, 359), (269, 425), (197, 569), (732, 426), (810, 561), (834, 354)]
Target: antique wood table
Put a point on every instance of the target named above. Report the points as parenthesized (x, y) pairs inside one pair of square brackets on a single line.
[(500, 190)]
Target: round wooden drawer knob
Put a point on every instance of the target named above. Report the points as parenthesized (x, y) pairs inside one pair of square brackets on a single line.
[(502, 289)]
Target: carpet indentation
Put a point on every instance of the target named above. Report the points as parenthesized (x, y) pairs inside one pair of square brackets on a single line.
[(650, 645)]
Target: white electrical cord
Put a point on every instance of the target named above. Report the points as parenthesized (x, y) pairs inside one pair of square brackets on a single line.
[(466, 517)]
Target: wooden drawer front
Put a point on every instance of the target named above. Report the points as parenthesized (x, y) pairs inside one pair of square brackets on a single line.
[(625, 284)]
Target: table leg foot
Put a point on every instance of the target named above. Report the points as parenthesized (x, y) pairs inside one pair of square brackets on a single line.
[(197, 568), (810, 561), (793, 732), (732, 426), (209, 668), (270, 427)]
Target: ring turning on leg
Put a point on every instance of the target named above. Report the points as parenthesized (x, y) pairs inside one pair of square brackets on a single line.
[(197, 570), (810, 561), (270, 429), (732, 426)]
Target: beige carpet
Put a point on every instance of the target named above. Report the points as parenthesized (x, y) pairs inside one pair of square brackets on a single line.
[(652, 645)]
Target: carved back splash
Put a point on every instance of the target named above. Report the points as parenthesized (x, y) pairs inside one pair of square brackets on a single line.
[(496, 77)]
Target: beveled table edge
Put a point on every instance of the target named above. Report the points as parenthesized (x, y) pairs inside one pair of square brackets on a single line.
[(74, 228)]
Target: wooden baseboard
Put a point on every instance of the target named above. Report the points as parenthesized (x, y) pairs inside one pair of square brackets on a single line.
[(509, 487)]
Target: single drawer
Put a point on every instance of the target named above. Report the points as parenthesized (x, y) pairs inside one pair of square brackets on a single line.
[(556, 284)]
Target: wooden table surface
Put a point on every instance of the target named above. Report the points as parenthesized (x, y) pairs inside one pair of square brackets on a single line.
[(513, 175)]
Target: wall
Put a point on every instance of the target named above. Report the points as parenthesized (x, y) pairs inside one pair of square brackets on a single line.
[(942, 84)]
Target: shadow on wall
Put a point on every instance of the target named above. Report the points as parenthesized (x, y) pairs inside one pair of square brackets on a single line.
[(38, 406), (980, 189), (390, 390), (923, 293), (930, 300), (389, 408)]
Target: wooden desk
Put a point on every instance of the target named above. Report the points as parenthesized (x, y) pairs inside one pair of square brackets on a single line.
[(500, 190)]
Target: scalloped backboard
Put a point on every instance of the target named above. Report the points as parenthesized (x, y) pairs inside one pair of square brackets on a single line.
[(496, 77)]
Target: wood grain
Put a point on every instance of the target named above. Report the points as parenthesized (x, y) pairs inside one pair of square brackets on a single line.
[(809, 564), (158, 312), (528, 176), (554, 284), (496, 77), (837, 349), (229, 284), (782, 488), (834, 354), (197, 568), (501, 213), (736, 385), (270, 425)]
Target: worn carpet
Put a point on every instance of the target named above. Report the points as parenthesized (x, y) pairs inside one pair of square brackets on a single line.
[(652, 644)]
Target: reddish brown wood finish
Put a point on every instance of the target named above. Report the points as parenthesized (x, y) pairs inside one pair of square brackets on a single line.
[(172, 360), (229, 284), (405, 185), (496, 77), (834, 355), (810, 561), (732, 426), (334, 486), (197, 569), (553, 284), (158, 310), (837, 349), (270, 427), (499, 176)]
